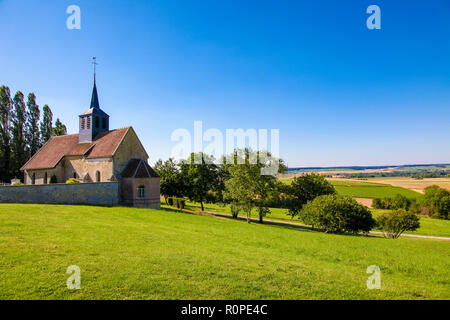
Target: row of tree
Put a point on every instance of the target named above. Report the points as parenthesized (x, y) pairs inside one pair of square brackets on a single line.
[(22, 131)]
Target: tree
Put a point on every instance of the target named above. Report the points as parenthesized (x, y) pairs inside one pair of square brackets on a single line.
[(246, 185), (306, 188), (59, 129), (5, 137), (394, 223), (18, 144), (46, 124), (436, 198), (32, 125), (334, 214), (171, 179), (200, 178)]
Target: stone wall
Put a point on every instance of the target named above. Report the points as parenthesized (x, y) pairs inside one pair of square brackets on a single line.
[(84, 193)]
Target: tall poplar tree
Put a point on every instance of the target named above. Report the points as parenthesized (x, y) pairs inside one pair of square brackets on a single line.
[(5, 138), (32, 125), (18, 143), (59, 129), (46, 124)]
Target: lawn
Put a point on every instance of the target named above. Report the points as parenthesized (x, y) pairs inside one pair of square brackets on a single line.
[(428, 226), (128, 253)]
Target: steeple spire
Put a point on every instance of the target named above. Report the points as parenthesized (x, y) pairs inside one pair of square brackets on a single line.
[(94, 99)]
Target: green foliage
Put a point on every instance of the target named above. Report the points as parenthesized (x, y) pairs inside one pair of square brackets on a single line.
[(46, 124), (19, 152), (235, 208), (53, 179), (18, 184), (200, 177), (59, 129), (32, 132), (72, 180), (394, 223), (334, 214), (438, 201), (172, 184), (306, 188), (361, 189), (246, 185), (398, 202), (5, 136)]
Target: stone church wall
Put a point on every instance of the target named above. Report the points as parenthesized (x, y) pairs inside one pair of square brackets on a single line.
[(84, 193)]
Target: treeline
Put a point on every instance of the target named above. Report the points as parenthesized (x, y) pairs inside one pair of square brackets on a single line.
[(435, 203), (22, 131)]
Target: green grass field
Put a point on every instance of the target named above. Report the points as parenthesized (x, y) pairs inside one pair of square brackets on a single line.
[(128, 253), (428, 226), (362, 189)]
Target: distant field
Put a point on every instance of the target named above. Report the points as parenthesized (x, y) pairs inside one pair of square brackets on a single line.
[(372, 190), (129, 253), (414, 184), (364, 189)]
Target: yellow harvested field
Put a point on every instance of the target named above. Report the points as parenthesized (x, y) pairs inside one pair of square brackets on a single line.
[(365, 202), (413, 184)]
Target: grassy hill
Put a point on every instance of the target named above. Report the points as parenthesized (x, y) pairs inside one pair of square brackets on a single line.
[(127, 253)]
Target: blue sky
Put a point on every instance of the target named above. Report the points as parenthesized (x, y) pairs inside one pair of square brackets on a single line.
[(340, 94)]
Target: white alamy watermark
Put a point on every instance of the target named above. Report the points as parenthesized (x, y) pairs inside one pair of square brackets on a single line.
[(213, 142), (74, 281), (374, 20), (73, 22), (374, 281)]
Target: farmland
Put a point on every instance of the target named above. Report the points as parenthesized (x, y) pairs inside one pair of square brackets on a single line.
[(128, 253)]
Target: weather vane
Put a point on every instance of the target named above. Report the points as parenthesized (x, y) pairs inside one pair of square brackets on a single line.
[(94, 62)]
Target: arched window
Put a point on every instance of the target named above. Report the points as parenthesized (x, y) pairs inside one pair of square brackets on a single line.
[(98, 176), (141, 192), (45, 178), (97, 123), (33, 178)]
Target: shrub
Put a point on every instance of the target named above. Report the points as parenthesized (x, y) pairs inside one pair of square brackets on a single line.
[(18, 184), (333, 213), (306, 188), (72, 180), (394, 223), (438, 201), (53, 179)]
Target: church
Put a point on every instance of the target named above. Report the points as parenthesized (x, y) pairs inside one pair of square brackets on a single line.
[(98, 155)]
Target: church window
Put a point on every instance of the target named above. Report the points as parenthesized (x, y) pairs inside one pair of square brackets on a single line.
[(141, 192), (74, 175), (97, 124), (88, 125), (98, 177), (104, 123), (45, 178), (33, 178)]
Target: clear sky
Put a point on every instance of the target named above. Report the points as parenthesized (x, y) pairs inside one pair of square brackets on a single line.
[(339, 93)]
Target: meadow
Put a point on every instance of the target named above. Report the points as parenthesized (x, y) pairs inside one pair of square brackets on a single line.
[(129, 253)]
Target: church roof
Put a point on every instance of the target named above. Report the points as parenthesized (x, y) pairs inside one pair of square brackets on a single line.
[(138, 168), (104, 145), (95, 105)]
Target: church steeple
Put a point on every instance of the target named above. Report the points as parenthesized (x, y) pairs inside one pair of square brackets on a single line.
[(94, 120), (94, 99)]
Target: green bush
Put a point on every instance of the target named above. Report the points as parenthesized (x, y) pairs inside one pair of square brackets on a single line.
[(53, 179), (18, 184), (72, 180), (394, 223), (334, 214), (398, 202), (305, 188)]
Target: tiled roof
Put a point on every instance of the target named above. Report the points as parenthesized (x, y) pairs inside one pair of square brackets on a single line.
[(138, 168), (104, 145)]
